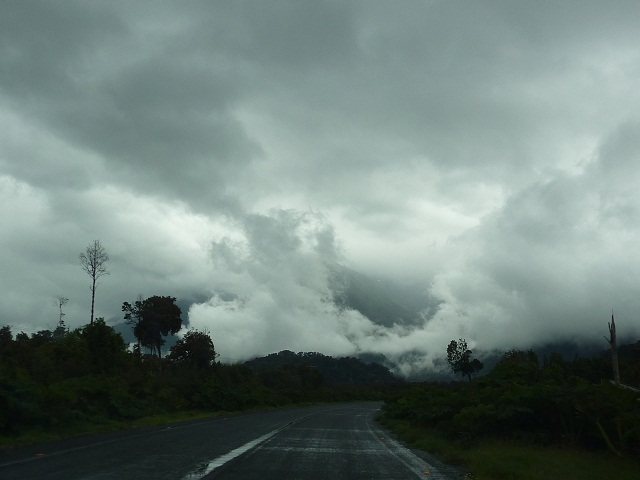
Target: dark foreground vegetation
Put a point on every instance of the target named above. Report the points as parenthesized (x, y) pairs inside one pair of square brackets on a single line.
[(528, 419), (56, 383)]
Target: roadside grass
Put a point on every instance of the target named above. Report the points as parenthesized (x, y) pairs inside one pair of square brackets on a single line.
[(37, 435), (171, 417), (497, 460), (101, 425)]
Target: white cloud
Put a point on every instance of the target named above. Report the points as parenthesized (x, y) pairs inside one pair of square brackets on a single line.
[(274, 289), (555, 260), (490, 150)]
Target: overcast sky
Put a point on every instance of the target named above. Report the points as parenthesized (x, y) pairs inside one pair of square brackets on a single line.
[(488, 150)]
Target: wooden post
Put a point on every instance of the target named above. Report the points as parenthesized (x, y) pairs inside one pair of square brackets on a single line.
[(614, 351)]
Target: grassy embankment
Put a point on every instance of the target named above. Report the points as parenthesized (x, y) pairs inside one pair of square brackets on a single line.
[(41, 434), (501, 460)]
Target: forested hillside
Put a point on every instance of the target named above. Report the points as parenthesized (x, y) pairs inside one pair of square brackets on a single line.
[(335, 371)]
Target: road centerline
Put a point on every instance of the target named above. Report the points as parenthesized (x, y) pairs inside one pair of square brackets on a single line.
[(207, 467)]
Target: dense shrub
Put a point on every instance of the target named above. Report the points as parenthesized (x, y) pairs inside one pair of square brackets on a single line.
[(57, 380), (518, 400)]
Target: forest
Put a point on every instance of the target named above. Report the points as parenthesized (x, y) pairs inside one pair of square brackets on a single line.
[(334, 371), (67, 381), (549, 403)]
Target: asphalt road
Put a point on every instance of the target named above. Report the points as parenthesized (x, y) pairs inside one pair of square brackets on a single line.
[(335, 442)]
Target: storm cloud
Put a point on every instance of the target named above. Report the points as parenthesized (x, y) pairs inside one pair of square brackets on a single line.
[(237, 155)]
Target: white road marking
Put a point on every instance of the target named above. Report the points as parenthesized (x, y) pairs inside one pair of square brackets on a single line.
[(207, 468)]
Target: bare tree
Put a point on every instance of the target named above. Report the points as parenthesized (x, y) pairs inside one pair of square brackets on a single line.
[(93, 262), (614, 351), (61, 302)]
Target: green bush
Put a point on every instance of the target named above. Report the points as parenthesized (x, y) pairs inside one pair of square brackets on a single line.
[(520, 401)]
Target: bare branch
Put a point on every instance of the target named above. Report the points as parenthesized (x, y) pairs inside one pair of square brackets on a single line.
[(93, 262)]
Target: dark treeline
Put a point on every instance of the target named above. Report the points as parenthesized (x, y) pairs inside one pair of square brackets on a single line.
[(554, 402), (334, 371), (68, 381)]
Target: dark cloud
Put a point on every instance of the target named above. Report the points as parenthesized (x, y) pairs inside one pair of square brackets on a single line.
[(44, 43), (237, 150)]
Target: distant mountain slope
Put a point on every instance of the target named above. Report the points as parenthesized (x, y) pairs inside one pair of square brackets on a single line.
[(336, 371), (381, 301)]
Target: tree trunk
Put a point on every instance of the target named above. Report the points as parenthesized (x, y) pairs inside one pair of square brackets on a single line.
[(93, 298), (614, 351)]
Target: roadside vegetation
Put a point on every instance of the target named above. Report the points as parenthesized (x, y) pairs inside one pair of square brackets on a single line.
[(527, 419), (61, 383), (494, 459)]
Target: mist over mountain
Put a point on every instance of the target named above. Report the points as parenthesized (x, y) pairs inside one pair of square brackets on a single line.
[(391, 308)]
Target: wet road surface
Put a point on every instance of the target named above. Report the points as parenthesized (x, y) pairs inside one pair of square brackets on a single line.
[(340, 441)]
